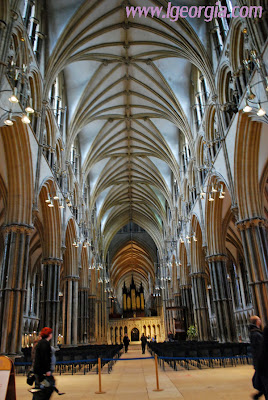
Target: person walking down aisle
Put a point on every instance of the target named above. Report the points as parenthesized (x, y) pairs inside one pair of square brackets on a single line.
[(143, 343), (44, 381), (256, 338), (262, 365), (126, 342)]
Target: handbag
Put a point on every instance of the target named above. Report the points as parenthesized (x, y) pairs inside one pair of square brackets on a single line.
[(30, 378)]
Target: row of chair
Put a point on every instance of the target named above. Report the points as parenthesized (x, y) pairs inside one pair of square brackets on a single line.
[(74, 359), (198, 354)]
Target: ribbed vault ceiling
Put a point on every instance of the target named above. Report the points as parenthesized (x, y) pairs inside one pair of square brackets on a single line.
[(128, 84)]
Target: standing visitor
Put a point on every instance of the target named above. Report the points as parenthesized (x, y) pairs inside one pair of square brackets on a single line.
[(256, 338), (44, 386), (262, 365), (126, 342), (143, 343)]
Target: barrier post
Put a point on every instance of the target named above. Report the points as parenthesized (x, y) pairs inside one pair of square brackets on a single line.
[(157, 378), (99, 370)]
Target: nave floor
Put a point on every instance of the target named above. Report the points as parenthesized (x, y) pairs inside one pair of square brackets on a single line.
[(135, 380)]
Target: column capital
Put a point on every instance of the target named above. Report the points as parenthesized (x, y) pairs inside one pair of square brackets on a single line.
[(217, 257), (186, 286), (237, 73), (52, 260), (19, 228), (45, 103), (235, 211), (199, 274), (214, 97), (251, 223), (3, 24), (71, 278)]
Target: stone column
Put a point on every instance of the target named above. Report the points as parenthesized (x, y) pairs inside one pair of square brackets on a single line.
[(83, 315), (70, 310), (104, 320), (50, 296), (187, 302), (255, 244), (200, 305), (221, 296), (98, 321), (13, 280), (92, 318)]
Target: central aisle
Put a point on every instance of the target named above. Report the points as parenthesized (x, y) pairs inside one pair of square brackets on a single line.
[(136, 379)]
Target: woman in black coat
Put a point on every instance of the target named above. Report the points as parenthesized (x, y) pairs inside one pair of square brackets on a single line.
[(262, 365), (42, 367)]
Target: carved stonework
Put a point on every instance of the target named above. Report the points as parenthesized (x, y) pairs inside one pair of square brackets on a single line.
[(217, 257), (235, 212), (52, 261), (252, 222), (19, 228), (154, 326)]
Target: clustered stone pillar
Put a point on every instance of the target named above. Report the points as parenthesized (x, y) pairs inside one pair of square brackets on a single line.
[(83, 315), (200, 304), (50, 296), (98, 326), (104, 320), (187, 302), (70, 310), (255, 244), (221, 296), (13, 280), (92, 318)]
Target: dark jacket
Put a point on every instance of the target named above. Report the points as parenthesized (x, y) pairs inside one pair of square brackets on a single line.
[(262, 361), (143, 340), (126, 341), (256, 337), (42, 362)]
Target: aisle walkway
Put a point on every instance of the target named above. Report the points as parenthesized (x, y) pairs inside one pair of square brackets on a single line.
[(131, 380)]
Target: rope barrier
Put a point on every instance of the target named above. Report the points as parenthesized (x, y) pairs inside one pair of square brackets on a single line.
[(127, 359), (100, 360), (24, 364), (76, 361), (93, 360), (202, 358)]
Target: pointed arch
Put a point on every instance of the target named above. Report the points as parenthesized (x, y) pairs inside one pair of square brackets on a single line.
[(70, 258), (19, 173), (51, 219)]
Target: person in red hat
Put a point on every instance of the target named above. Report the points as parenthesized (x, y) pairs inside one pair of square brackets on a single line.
[(42, 366)]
